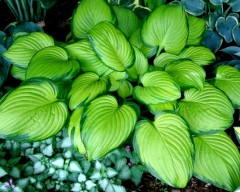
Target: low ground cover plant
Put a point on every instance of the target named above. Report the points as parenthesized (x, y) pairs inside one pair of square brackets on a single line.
[(121, 79)]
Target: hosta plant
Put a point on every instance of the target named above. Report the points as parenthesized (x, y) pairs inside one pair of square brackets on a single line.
[(122, 79)]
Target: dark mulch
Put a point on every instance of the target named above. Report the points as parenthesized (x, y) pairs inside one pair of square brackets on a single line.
[(57, 25)]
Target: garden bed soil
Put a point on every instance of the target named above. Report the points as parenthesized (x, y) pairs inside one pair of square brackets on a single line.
[(58, 26)]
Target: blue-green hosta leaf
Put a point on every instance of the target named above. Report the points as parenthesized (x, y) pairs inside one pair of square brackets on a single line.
[(153, 4), (212, 40), (165, 147), (218, 2), (237, 133), (32, 112), (236, 34), (158, 87), (212, 18), (127, 20), (187, 74), (87, 15), (125, 89), (53, 63), (194, 7), (208, 110), (139, 67), (111, 46), (199, 55), (168, 106), (18, 72), (196, 28), (228, 80), (225, 27), (86, 87), (74, 130), (4, 66), (232, 50), (105, 116), (235, 5), (165, 31), (25, 47), (217, 161), (90, 62), (136, 40), (115, 78)]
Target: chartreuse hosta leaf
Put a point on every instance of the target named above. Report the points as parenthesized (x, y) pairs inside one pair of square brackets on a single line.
[(228, 80), (208, 110), (86, 87), (127, 20), (111, 46), (74, 130), (165, 31), (165, 147), (217, 160), (25, 47), (158, 87), (32, 111), (168, 106), (196, 28), (198, 54), (18, 72), (115, 78), (87, 15), (83, 51), (106, 125), (187, 74), (139, 67), (53, 63), (136, 40), (125, 89), (237, 133)]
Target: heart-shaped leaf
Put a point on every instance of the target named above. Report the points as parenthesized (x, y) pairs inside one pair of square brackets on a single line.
[(165, 147), (194, 7), (217, 161), (225, 27), (206, 111), (236, 34), (165, 31), (136, 40), (187, 74), (127, 20), (235, 5), (87, 15), (212, 40), (86, 87), (32, 111), (52, 62), (25, 47), (212, 19), (104, 116), (228, 80), (74, 130), (90, 62), (158, 87), (139, 67), (111, 46), (196, 29)]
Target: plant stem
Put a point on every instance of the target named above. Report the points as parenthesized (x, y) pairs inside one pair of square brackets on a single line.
[(19, 10), (11, 5)]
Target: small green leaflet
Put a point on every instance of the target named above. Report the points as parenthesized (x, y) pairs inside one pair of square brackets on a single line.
[(104, 116), (165, 31), (74, 130), (90, 62), (187, 74), (158, 87), (87, 15), (206, 111), (25, 47), (52, 62), (111, 46), (165, 147), (196, 30), (168, 106), (228, 80), (217, 160), (86, 87), (125, 89), (127, 20), (18, 72), (32, 111)]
